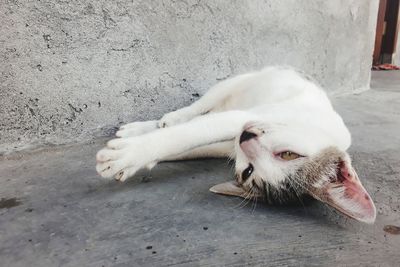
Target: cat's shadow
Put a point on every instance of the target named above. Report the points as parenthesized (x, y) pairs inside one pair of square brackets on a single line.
[(200, 173)]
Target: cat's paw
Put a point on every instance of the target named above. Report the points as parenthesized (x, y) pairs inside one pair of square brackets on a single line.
[(136, 128), (174, 118), (122, 158)]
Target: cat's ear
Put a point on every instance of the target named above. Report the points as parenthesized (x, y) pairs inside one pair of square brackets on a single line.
[(347, 195), (229, 188)]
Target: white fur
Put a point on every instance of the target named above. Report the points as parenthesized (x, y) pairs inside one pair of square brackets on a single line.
[(291, 113)]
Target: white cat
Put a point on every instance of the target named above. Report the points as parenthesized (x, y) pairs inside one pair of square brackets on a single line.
[(280, 127)]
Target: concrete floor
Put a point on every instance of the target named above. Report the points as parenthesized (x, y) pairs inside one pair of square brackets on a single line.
[(56, 211)]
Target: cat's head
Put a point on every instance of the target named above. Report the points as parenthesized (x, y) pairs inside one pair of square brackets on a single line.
[(283, 163)]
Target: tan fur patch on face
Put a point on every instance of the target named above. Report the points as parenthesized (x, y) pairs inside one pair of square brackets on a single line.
[(307, 179), (320, 169)]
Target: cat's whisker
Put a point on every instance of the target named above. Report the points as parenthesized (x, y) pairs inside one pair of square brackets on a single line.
[(252, 196), (255, 204), (296, 193), (247, 201), (244, 199), (249, 197)]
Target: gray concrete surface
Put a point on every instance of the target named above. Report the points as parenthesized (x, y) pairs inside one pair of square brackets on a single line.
[(73, 69), (55, 210)]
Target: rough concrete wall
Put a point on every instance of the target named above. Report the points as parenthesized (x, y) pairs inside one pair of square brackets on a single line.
[(70, 70)]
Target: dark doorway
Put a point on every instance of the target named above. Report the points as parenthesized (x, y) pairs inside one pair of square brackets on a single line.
[(386, 31)]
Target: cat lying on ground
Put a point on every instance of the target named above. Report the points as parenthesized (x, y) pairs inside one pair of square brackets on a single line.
[(280, 127)]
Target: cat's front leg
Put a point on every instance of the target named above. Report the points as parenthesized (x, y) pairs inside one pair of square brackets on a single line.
[(124, 156)]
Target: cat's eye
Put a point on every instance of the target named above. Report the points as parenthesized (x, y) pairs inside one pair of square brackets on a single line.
[(247, 172), (288, 155)]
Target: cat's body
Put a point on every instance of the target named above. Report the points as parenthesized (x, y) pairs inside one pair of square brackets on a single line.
[(279, 127)]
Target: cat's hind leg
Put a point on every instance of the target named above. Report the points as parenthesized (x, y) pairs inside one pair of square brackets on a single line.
[(217, 150)]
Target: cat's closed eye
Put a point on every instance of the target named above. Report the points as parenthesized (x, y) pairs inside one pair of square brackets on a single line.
[(288, 155)]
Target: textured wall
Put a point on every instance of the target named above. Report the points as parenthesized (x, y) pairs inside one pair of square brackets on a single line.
[(396, 56), (70, 70)]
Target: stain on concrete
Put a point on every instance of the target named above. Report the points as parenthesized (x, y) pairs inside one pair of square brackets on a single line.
[(107, 19), (136, 43), (89, 10), (75, 109), (8, 203), (47, 37), (392, 229)]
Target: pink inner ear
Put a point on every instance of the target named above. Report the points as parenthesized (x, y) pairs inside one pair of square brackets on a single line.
[(348, 195), (344, 171), (353, 187)]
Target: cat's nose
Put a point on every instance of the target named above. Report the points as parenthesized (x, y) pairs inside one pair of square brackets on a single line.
[(245, 136)]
